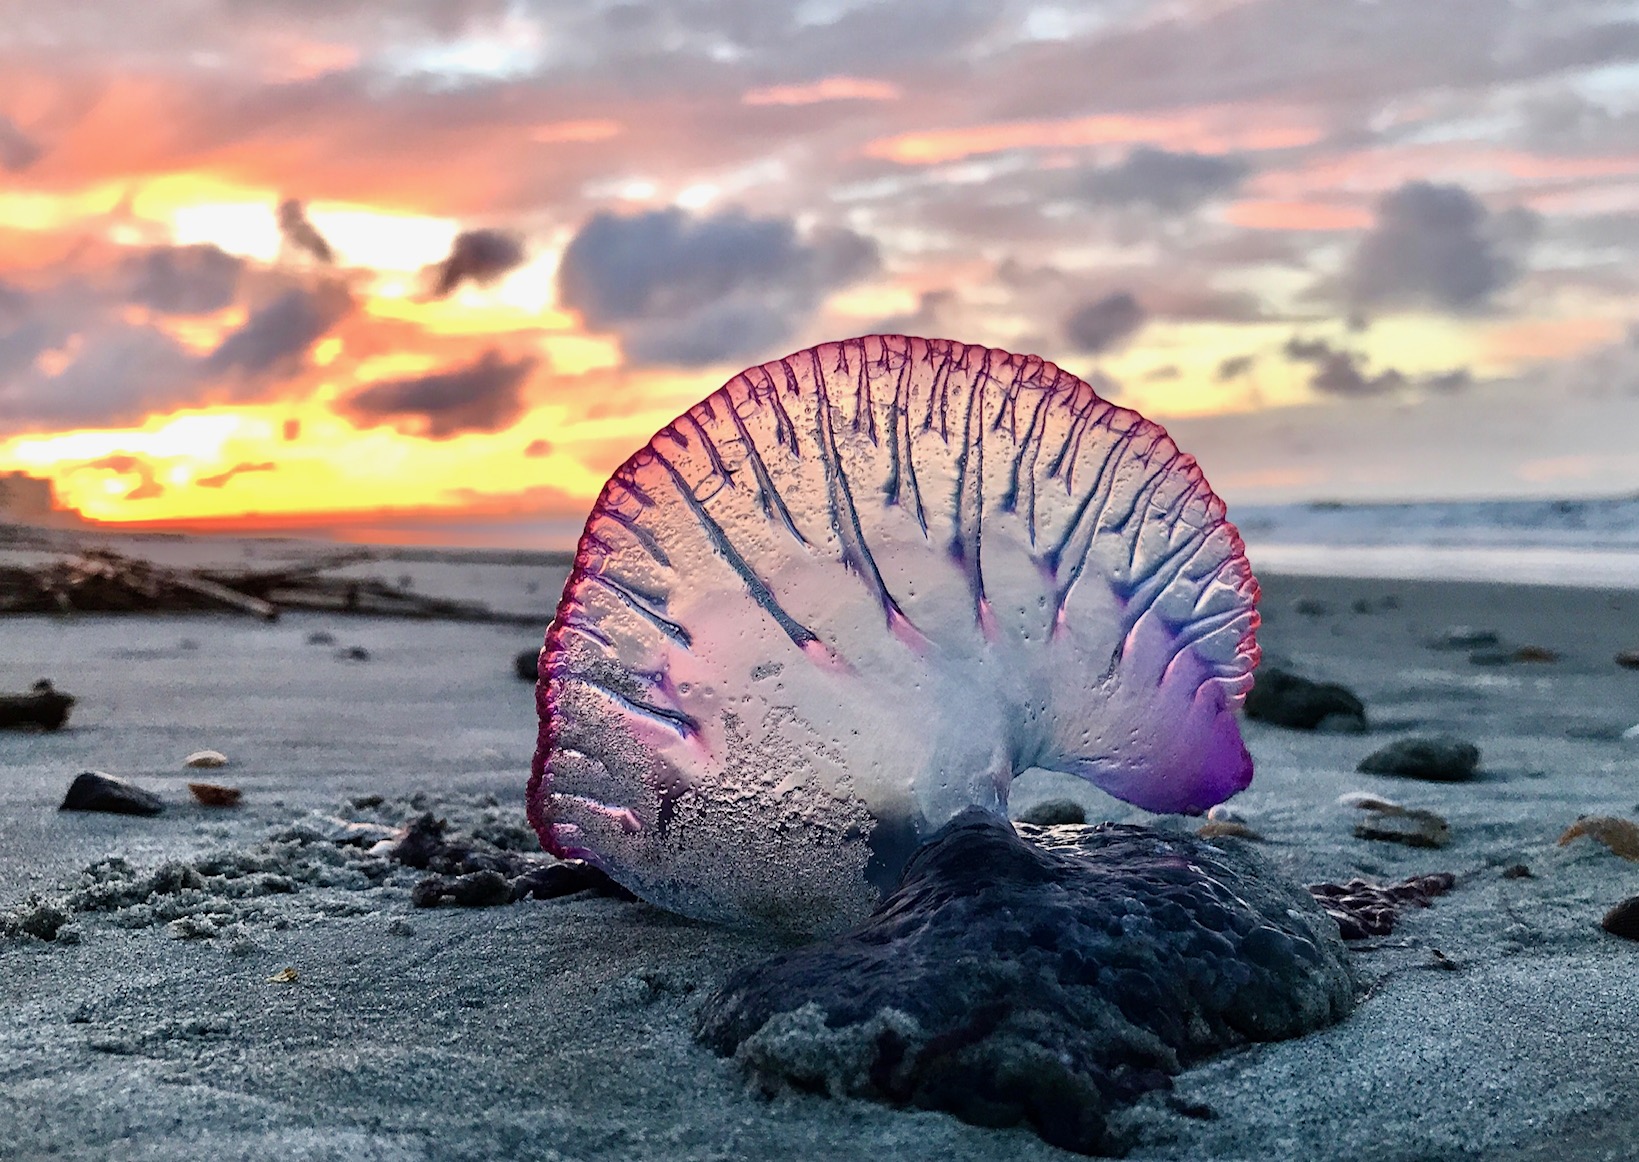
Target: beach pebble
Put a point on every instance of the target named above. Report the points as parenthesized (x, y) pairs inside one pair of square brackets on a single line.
[(1054, 812), (206, 758), (1407, 825), (1623, 920), (1285, 699), (354, 654), (1628, 659), (43, 707), (215, 795), (95, 791), (1463, 637), (1224, 813), (1311, 607), (1437, 758), (1048, 982), (1517, 871), (321, 638), (527, 665), (1620, 835)]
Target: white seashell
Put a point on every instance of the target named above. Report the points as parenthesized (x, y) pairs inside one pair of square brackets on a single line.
[(206, 758), (1224, 813), (1366, 801)]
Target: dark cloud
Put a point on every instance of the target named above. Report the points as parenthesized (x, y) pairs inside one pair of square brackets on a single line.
[(279, 332), (1234, 367), (1168, 181), (17, 150), (479, 256), (1105, 323), (1162, 374), (536, 449), (184, 280), (1341, 373), (695, 291), (484, 396), (240, 469), (1435, 246), (301, 234)]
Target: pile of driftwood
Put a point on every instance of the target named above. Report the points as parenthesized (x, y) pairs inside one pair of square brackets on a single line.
[(102, 581)]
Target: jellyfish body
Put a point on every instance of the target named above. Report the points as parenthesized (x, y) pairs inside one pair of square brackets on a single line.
[(860, 589)]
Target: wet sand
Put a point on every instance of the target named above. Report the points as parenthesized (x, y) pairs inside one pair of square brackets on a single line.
[(561, 1029)]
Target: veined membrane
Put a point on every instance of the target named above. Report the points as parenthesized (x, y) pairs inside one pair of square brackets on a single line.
[(858, 590)]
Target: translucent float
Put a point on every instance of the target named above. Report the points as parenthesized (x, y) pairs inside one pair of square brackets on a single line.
[(861, 588)]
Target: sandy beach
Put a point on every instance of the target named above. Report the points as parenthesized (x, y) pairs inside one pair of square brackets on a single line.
[(337, 1020)]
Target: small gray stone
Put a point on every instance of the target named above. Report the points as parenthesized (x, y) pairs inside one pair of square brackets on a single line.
[(95, 791), (1437, 758), (1623, 920), (1054, 812), (1286, 699)]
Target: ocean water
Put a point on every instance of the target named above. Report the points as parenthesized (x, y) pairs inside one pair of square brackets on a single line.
[(1587, 542)]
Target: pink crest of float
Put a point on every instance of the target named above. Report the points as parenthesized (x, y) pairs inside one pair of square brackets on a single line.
[(860, 589)]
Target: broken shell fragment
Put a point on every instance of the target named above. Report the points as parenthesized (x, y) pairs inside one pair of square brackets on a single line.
[(215, 795)]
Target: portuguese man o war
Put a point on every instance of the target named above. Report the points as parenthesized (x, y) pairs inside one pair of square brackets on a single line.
[(858, 590)]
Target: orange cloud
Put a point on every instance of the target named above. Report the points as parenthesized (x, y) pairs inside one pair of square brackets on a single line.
[(828, 89), (1274, 215), (1213, 129), (1374, 170), (1535, 340)]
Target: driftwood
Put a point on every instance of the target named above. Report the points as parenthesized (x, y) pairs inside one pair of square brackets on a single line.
[(101, 581), (42, 708)]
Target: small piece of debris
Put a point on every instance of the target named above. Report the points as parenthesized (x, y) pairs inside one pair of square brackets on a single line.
[(1408, 825), (1463, 637), (1620, 835), (1525, 655), (1311, 607), (95, 791), (321, 638), (216, 795), (1366, 801), (527, 665), (1224, 813), (399, 926), (1628, 659), (1226, 829), (42, 708), (1517, 871), (1364, 909), (283, 976), (206, 758), (1054, 812), (354, 654), (1623, 920)]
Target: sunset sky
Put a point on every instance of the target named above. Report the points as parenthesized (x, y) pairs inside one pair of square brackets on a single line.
[(418, 269)]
